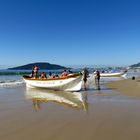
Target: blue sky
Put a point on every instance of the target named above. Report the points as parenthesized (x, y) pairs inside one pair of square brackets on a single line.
[(70, 32)]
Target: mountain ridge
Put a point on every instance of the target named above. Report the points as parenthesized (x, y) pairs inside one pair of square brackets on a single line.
[(41, 65)]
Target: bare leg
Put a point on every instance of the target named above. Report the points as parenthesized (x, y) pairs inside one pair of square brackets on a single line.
[(85, 86), (97, 83)]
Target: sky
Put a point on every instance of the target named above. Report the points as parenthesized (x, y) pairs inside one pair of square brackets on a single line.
[(70, 32)]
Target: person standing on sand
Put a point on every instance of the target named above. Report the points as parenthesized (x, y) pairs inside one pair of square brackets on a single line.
[(97, 79), (85, 76)]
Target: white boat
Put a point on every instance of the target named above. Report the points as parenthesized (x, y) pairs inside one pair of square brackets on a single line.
[(74, 100), (71, 82), (113, 74)]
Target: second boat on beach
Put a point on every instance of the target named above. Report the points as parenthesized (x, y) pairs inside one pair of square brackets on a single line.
[(113, 74)]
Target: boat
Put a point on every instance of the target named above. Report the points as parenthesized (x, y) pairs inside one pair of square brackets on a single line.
[(72, 82), (75, 100), (113, 74)]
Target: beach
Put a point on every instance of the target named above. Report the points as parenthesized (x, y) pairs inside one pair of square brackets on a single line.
[(127, 87), (66, 69), (109, 113)]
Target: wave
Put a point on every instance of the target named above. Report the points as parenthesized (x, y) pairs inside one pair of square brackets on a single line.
[(11, 83)]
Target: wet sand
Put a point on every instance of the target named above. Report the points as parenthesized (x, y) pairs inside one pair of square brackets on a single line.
[(127, 87), (107, 115)]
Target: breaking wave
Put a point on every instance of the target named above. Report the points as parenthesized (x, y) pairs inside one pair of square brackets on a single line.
[(11, 83)]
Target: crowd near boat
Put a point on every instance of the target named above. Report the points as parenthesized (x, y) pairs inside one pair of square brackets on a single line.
[(67, 80)]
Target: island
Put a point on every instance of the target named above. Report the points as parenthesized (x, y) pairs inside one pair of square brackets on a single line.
[(41, 65)]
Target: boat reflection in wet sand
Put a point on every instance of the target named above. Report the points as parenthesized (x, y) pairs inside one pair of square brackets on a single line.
[(74, 100)]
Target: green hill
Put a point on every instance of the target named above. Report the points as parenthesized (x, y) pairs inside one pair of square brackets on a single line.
[(41, 65)]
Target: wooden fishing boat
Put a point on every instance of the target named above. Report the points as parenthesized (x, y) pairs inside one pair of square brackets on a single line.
[(75, 100), (71, 82)]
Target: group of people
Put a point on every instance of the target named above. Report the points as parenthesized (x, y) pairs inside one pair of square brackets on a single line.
[(65, 73), (86, 75), (35, 73)]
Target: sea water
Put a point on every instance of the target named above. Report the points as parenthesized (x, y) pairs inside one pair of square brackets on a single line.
[(10, 78)]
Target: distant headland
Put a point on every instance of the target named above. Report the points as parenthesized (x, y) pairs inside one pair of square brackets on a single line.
[(135, 65), (41, 65)]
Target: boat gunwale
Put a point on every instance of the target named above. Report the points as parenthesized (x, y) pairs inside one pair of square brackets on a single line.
[(50, 79)]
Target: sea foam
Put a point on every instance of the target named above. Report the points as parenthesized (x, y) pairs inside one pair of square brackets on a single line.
[(11, 83)]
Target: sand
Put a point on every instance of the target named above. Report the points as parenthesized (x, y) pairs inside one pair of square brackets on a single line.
[(127, 87), (108, 114)]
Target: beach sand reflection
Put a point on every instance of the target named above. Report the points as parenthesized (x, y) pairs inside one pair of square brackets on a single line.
[(75, 100)]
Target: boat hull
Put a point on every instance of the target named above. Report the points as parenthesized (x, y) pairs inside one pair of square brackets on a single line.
[(69, 83), (116, 74)]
